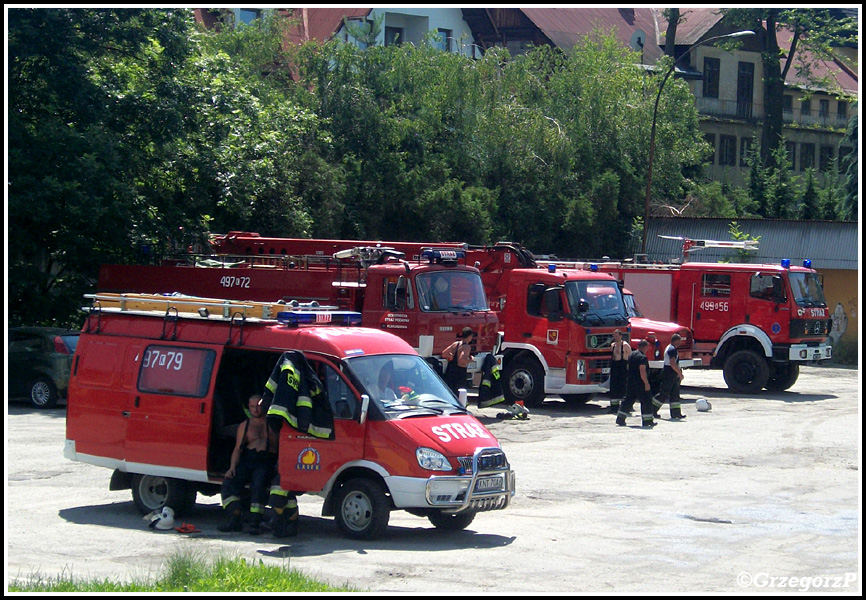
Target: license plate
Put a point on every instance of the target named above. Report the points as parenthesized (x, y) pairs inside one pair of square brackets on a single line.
[(489, 484)]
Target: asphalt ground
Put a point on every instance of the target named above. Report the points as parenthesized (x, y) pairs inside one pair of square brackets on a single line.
[(760, 495)]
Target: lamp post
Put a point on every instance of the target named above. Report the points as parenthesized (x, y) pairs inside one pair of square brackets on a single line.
[(652, 149)]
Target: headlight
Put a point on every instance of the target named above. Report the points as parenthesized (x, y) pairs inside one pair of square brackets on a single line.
[(432, 460)]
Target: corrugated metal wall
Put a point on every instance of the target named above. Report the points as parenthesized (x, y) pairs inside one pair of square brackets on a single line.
[(828, 244)]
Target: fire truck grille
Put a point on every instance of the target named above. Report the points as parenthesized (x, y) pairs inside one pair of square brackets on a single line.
[(809, 328), (599, 370), (486, 462)]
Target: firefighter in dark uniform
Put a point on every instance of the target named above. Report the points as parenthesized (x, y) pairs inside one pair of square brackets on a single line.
[(253, 462), (638, 388), (672, 375), (620, 351)]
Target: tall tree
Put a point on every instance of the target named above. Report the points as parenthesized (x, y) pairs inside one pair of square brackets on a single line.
[(811, 30)]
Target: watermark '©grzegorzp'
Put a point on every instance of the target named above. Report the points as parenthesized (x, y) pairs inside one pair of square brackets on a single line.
[(802, 584)]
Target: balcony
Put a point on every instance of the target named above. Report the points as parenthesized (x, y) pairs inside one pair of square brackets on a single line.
[(745, 111)]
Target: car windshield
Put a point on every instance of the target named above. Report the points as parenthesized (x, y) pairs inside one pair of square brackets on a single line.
[(403, 385), (807, 290), (450, 291), (603, 301)]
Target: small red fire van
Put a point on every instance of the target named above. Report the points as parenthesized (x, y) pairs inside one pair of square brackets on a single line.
[(159, 385)]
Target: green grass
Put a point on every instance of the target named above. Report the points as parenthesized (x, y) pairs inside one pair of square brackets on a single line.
[(186, 572)]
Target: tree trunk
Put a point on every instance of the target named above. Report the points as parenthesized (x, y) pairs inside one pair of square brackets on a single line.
[(774, 92), (671, 34)]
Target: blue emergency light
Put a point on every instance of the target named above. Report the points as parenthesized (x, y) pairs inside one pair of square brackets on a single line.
[(551, 268), (786, 263), (336, 317), (434, 254), (593, 267), (807, 263)]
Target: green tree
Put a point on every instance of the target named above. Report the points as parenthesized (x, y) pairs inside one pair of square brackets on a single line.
[(809, 205), (815, 31), (848, 207)]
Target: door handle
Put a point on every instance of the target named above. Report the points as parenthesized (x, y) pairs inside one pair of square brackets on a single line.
[(527, 335), (126, 413)]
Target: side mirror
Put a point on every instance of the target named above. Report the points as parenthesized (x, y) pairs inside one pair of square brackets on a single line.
[(401, 293), (365, 406), (463, 397), (778, 290), (583, 305)]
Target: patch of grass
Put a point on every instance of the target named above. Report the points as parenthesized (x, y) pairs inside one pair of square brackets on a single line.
[(187, 572)]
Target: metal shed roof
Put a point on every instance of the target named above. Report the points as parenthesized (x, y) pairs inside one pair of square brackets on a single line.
[(828, 244)]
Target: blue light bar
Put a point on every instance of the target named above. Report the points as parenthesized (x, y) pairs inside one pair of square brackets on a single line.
[(337, 317), (786, 263), (807, 263), (551, 268), (593, 267), (442, 254)]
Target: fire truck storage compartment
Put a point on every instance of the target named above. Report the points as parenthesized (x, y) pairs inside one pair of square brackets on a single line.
[(242, 373)]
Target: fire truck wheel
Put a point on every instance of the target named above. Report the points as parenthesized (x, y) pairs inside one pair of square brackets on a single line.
[(783, 377), (363, 509), (151, 492), (451, 521), (746, 372), (43, 393), (524, 381)]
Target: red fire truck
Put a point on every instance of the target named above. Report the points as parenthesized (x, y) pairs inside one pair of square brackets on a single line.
[(426, 300), (568, 357), (159, 384), (756, 322)]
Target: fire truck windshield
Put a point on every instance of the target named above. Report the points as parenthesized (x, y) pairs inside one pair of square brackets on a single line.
[(450, 291), (403, 385), (807, 290), (603, 302)]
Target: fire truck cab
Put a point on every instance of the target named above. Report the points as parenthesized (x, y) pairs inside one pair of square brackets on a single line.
[(159, 386)]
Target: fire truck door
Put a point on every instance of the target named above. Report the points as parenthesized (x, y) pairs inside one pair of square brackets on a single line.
[(717, 304), (306, 463), (101, 396), (169, 420)]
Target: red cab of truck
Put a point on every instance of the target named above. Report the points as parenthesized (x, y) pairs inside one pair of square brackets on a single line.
[(159, 385)]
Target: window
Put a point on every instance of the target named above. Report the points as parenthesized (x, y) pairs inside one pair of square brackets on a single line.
[(535, 300), (710, 138), (393, 36), (763, 286), (176, 370), (787, 104), (823, 108), (842, 110), (340, 396), (745, 151), (446, 36), (825, 158), (248, 15), (806, 106), (727, 150), (807, 156), (791, 148), (711, 77), (716, 284)]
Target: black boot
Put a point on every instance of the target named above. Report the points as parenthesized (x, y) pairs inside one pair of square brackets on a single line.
[(285, 524), (256, 524), (235, 523)]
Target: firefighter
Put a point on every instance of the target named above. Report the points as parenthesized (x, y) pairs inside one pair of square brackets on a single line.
[(638, 387), (458, 355), (672, 375), (253, 462), (620, 351)]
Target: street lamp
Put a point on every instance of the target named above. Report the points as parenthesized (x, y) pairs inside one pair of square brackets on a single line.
[(652, 150)]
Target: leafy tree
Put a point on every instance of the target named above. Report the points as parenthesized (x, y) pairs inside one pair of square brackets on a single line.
[(809, 206), (848, 208), (813, 30)]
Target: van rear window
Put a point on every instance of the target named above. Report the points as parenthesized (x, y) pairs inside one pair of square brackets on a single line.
[(176, 370)]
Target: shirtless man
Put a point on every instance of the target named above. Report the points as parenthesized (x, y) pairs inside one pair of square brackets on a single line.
[(253, 462)]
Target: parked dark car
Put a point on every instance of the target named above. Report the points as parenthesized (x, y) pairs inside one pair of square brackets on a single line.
[(40, 359)]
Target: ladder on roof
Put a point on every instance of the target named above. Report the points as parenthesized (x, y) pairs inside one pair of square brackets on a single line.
[(204, 307)]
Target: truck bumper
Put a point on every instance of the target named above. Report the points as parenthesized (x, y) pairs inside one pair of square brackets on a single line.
[(804, 352), (480, 490)]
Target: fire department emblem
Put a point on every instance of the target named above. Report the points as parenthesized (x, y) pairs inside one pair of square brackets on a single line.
[(552, 337), (308, 460)]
